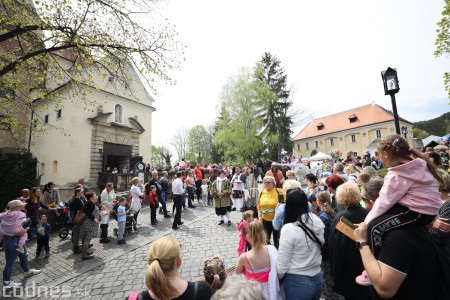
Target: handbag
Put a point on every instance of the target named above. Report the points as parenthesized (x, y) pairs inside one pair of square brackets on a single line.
[(79, 218)]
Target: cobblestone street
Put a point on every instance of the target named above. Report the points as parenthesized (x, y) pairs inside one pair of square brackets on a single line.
[(117, 270)]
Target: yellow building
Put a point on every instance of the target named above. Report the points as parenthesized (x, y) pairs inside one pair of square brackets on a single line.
[(352, 130)]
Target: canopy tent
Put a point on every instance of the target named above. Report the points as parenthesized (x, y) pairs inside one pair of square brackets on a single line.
[(319, 156)]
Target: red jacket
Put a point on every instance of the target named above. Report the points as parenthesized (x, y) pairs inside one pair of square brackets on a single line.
[(153, 198)]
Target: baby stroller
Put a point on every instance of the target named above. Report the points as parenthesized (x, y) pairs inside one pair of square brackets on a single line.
[(130, 223), (64, 220)]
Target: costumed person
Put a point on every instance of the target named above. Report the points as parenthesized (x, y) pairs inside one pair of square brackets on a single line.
[(221, 190), (238, 181), (251, 192)]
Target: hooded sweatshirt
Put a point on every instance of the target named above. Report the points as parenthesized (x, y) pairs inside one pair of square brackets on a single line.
[(410, 184), (12, 221)]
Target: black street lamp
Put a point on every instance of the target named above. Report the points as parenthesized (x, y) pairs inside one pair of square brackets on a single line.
[(404, 131), (391, 87)]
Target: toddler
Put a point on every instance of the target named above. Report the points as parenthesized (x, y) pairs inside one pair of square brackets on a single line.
[(410, 193), (11, 222), (43, 230), (215, 273), (204, 188), (244, 245), (153, 199), (121, 220), (104, 221)]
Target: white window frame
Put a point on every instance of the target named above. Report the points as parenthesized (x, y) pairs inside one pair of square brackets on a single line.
[(316, 144), (59, 111), (378, 133), (331, 142), (353, 138)]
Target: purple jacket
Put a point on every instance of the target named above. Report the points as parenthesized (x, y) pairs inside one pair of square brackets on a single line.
[(12, 221)]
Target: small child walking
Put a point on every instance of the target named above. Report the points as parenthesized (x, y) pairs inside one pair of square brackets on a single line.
[(214, 272), (104, 221), (204, 188), (43, 230), (11, 222), (121, 220), (153, 199), (409, 195), (244, 245)]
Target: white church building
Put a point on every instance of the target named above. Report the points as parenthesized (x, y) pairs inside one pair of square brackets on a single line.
[(95, 125)]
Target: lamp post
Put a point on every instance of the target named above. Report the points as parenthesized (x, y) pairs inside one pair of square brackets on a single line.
[(391, 87), (404, 131)]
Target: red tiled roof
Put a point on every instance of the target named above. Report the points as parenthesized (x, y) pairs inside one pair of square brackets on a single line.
[(365, 115)]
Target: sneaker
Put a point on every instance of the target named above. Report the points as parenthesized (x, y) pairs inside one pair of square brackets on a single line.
[(363, 279), (221, 222), (47, 255), (229, 223), (32, 272), (37, 258), (121, 242), (11, 284)]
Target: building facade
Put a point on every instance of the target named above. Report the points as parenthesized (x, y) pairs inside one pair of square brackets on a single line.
[(92, 127), (355, 130)]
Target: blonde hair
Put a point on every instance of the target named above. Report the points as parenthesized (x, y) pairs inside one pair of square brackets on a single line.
[(240, 290), (324, 199), (162, 256), (214, 272), (445, 185), (348, 194), (256, 235), (290, 172), (135, 180)]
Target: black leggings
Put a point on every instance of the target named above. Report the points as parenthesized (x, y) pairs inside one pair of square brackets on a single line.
[(268, 228), (395, 217)]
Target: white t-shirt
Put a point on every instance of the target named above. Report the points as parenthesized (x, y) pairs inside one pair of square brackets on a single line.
[(104, 216), (204, 189)]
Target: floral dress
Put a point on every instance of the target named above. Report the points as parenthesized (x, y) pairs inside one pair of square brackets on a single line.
[(89, 229)]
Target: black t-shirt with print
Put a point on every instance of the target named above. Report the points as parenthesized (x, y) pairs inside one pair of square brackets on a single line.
[(409, 250), (204, 292)]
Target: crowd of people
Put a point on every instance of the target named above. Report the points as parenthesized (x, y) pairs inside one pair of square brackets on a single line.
[(291, 242)]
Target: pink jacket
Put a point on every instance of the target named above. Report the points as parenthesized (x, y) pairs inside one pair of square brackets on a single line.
[(410, 184), (12, 221)]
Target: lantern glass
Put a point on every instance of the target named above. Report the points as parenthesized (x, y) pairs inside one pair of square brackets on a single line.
[(391, 83)]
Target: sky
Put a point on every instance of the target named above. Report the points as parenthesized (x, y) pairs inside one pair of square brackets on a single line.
[(332, 51)]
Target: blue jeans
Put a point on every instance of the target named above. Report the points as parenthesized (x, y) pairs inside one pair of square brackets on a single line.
[(32, 230), (301, 287), (163, 203), (10, 244)]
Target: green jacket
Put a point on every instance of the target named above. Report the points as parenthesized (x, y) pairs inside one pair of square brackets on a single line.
[(224, 200)]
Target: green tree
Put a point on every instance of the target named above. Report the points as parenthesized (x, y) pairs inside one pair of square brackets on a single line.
[(274, 104), (237, 128), (419, 133), (109, 35), (443, 40), (197, 144)]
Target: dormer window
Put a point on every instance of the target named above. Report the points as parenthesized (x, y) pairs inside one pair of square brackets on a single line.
[(320, 126), (353, 118)]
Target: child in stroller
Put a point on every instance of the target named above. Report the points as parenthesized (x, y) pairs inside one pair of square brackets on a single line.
[(130, 224)]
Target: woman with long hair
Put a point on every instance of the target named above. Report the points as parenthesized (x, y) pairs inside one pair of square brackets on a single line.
[(299, 255), (259, 264), (32, 208), (76, 204), (89, 228), (163, 279)]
